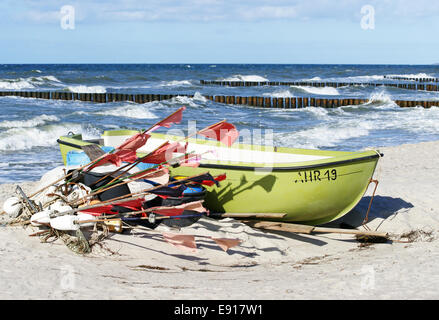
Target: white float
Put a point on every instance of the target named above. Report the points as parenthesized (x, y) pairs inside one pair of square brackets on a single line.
[(64, 223), (40, 217), (12, 206)]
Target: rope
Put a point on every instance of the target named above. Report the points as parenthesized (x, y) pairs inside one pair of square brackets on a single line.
[(366, 218)]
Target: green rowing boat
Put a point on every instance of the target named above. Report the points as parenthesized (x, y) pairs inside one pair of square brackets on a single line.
[(311, 186)]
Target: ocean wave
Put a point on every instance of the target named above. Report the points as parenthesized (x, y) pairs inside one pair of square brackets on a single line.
[(191, 102), (129, 111), (313, 79), (240, 77), (363, 78), (327, 91), (381, 98), (414, 76), (317, 112), (416, 120), (87, 89), (15, 84), (359, 79), (28, 83), (27, 138), (369, 78), (176, 83), (162, 84), (279, 94), (45, 78), (324, 135), (34, 122)]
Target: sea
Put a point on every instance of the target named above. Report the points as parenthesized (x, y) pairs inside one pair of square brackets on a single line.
[(30, 127)]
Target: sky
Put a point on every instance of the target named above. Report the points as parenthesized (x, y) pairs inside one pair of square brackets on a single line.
[(217, 31)]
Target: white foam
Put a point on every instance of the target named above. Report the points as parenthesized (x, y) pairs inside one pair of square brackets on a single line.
[(176, 83), (15, 84), (27, 83), (240, 77), (313, 79), (87, 89), (192, 102), (319, 113), (129, 111), (27, 138), (417, 120), (364, 78), (199, 97), (415, 76), (34, 122), (381, 97), (279, 94), (328, 91), (326, 135), (45, 78)]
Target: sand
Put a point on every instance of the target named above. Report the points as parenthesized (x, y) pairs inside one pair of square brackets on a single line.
[(266, 265)]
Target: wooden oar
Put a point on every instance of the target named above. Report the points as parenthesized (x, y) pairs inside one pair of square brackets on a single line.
[(93, 162), (231, 215), (133, 196), (132, 165), (137, 175), (140, 218), (157, 123), (144, 157), (298, 228), (195, 133), (67, 175)]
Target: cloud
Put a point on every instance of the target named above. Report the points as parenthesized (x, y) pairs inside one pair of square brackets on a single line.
[(268, 12), (47, 11)]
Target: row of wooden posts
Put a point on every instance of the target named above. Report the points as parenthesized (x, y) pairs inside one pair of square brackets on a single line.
[(412, 79), (408, 86), (91, 97), (304, 102), (263, 102)]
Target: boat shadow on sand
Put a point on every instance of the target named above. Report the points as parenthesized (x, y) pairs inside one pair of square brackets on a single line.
[(382, 208)]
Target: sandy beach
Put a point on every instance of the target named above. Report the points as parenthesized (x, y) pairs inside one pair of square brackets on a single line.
[(266, 265)]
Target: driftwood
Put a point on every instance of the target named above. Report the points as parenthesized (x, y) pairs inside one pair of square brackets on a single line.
[(298, 228)]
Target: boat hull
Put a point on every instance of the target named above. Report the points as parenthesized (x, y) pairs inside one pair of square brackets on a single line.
[(311, 193)]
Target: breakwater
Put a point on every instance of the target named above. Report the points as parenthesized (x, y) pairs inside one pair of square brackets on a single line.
[(255, 101), (408, 86)]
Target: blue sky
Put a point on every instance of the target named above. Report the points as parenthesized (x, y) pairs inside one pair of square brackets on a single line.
[(215, 31)]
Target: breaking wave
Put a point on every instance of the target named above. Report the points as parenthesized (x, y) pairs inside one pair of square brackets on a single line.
[(325, 135), (28, 83), (26, 138), (240, 77), (381, 98), (313, 79), (191, 102), (176, 83), (327, 91), (279, 94), (414, 76), (129, 111), (87, 89), (30, 123)]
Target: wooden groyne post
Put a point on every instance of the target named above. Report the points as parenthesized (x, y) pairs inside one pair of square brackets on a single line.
[(407, 86), (253, 101)]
